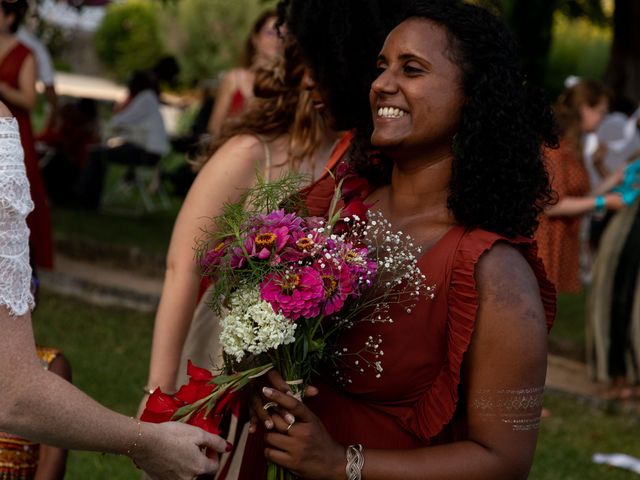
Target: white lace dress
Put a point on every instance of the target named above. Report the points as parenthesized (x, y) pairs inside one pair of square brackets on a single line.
[(15, 205)]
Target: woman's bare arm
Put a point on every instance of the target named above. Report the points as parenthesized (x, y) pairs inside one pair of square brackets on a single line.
[(25, 95), (506, 362), (223, 178)]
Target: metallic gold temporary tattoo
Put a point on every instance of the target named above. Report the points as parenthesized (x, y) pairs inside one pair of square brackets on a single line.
[(518, 408)]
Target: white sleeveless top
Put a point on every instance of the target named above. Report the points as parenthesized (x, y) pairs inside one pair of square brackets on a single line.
[(15, 205)]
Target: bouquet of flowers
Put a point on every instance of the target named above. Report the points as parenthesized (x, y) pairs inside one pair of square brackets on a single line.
[(287, 284)]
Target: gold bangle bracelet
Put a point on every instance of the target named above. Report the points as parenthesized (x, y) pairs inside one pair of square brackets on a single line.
[(148, 390)]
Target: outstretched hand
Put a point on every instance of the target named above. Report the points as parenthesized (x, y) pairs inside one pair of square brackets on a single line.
[(175, 451), (303, 445)]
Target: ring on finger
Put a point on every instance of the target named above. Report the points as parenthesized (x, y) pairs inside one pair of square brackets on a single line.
[(267, 406), (289, 426)]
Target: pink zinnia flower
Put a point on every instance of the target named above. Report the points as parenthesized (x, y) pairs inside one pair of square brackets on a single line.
[(214, 255), (337, 282), (296, 293), (363, 270), (303, 244), (267, 237)]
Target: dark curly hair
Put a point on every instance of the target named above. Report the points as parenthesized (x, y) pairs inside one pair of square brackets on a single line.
[(19, 9), (499, 181)]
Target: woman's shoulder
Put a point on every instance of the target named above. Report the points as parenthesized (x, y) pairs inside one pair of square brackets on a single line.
[(243, 151), (488, 261)]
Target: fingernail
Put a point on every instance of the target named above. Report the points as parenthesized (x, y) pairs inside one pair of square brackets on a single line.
[(290, 418), (267, 391), (252, 429), (268, 424), (229, 447)]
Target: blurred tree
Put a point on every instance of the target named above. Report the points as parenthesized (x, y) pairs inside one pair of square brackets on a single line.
[(212, 34), (623, 73), (532, 24), (129, 37)]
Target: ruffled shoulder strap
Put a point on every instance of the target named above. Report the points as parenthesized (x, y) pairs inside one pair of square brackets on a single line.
[(436, 409)]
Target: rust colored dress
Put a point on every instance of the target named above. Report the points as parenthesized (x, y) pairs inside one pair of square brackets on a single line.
[(559, 237), (415, 401), (39, 220)]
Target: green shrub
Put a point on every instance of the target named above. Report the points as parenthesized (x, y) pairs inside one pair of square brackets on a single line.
[(129, 37), (579, 48), (211, 34)]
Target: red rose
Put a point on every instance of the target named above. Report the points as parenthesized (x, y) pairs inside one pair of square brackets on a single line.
[(353, 186), (160, 407), (199, 385)]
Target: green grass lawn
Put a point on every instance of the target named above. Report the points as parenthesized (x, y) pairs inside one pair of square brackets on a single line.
[(109, 351)]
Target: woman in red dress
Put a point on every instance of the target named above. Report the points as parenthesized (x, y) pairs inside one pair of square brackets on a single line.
[(579, 110), (236, 88), (460, 394), (18, 92)]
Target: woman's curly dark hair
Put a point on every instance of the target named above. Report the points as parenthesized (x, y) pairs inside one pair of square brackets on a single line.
[(499, 181), (340, 41)]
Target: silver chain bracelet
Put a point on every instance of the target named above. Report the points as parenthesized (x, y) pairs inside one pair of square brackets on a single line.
[(355, 462)]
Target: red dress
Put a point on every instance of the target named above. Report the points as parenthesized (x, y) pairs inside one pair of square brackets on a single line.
[(39, 220), (414, 403), (559, 237)]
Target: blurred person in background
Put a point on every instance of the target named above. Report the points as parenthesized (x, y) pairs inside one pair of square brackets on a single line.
[(18, 91), (615, 142), (613, 301), (137, 138), (280, 132), (579, 110), (236, 87), (45, 71)]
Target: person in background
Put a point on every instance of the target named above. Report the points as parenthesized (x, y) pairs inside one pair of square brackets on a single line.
[(615, 142), (236, 87), (40, 405), (18, 92), (138, 137), (578, 110), (45, 71)]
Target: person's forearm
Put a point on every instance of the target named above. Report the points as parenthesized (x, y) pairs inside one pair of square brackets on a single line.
[(48, 409), (173, 319), (572, 207), (18, 98), (468, 460), (609, 183)]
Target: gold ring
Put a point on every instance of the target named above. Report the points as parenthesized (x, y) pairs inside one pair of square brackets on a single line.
[(267, 406), (289, 427)]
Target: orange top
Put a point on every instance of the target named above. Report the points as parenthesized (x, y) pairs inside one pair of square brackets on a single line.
[(559, 237)]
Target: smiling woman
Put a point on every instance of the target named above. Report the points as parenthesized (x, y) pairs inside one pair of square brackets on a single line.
[(410, 70), (463, 375)]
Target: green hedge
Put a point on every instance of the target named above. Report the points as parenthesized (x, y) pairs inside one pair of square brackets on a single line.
[(129, 37)]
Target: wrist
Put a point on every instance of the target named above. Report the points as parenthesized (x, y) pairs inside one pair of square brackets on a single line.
[(600, 204), (134, 447), (339, 463)]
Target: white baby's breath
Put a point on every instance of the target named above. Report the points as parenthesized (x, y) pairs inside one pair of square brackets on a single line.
[(252, 326)]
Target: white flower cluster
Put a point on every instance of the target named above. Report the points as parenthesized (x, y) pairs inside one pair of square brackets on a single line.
[(252, 326)]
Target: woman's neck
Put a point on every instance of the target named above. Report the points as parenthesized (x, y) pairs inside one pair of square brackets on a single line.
[(421, 185)]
